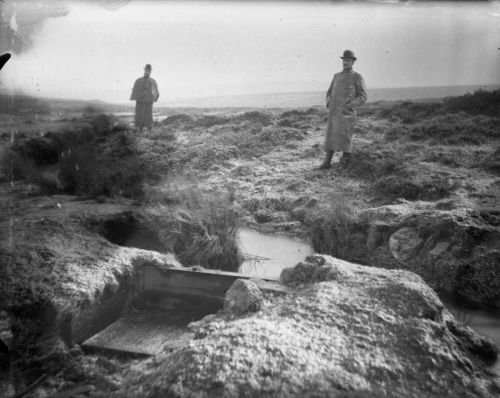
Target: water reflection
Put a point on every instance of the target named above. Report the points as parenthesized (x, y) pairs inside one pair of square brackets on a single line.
[(267, 255)]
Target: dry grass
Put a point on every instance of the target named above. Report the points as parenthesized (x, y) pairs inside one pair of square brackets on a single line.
[(200, 228), (415, 187), (449, 129), (334, 233)]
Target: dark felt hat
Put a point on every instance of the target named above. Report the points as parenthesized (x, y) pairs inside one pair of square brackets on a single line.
[(348, 54), (148, 67)]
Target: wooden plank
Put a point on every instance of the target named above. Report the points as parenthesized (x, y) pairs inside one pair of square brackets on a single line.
[(143, 333), (206, 284), (87, 321)]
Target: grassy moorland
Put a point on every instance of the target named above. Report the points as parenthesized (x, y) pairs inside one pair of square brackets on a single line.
[(422, 192), (202, 173)]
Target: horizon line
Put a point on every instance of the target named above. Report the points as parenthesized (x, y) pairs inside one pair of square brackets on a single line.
[(179, 99)]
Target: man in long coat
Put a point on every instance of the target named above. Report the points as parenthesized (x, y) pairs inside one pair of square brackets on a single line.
[(346, 94), (145, 92)]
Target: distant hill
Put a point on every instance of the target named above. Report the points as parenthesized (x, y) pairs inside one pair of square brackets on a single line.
[(317, 98), (20, 103)]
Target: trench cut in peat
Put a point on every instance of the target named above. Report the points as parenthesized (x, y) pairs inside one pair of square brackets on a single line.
[(166, 301), (127, 230)]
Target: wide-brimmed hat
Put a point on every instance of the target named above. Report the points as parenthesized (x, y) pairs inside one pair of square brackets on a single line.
[(348, 54), (148, 67)]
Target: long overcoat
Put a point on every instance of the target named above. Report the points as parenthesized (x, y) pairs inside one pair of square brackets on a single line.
[(346, 94), (144, 92)]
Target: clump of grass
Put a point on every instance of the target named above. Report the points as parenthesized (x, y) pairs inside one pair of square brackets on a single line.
[(40, 150), (449, 129), (452, 158), (95, 160), (478, 281), (92, 109), (334, 234), (481, 102), (265, 119), (274, 204), (179, 119), (415, 187), (210, 121), (16, 167), (85, 171), (492, 162), (408, 111), (376, 163), (200, 228)]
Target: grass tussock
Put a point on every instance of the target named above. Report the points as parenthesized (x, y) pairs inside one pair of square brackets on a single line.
[(449, 129), (481, 102), (478, 280), (200, 228), (369, 164), (408, 112), (415, 187), (84, 171), (335, 233), (492, 161), (98, 159), (16, 167)]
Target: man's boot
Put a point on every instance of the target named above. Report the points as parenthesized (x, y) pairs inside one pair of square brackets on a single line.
[(326, 163), (346, 160)]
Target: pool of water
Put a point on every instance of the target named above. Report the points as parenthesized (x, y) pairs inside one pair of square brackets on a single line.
[(266, 255)]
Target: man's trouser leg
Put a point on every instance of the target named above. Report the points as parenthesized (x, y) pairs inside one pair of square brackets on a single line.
[(326, 163), (346, 159)]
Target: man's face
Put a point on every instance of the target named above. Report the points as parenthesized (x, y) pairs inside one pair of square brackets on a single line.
[(347, 63), (147, 73)]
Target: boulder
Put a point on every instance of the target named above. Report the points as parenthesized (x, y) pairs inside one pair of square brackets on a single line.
[(352, 331), (243, 296), (404, 242)]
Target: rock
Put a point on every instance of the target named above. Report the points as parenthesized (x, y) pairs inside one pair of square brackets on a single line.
[(474, 342), (440, 248), (76, 351), (243, 296), (316, 268), (404, 242), (367, 331)]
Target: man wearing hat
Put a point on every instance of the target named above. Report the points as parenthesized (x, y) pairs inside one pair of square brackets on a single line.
[(145, 92), (346, 94)]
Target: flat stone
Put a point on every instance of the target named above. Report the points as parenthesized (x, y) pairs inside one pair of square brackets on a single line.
[(403, 243), (440, 248)]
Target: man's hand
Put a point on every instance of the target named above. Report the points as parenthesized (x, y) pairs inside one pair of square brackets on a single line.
[(348, 110)]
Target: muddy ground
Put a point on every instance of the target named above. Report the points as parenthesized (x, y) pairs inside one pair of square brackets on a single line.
[(422, 192)]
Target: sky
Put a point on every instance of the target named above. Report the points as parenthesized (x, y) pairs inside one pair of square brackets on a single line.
[(95, 50)]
